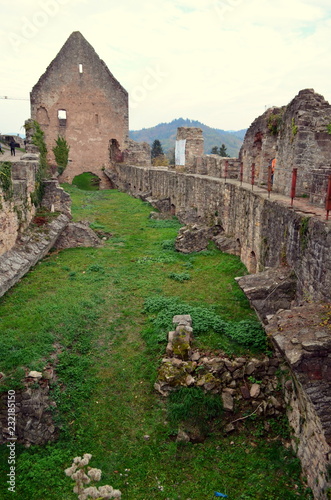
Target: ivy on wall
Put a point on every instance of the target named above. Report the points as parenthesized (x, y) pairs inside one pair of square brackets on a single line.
[(38, 139), (5, 180)]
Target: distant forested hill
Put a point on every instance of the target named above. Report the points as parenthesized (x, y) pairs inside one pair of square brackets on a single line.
[(166, 134)]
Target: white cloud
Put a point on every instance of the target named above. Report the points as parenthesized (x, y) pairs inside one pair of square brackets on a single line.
[(224, 60)]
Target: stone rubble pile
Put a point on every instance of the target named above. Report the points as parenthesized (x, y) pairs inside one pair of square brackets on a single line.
[(241, 382), (33, 411)]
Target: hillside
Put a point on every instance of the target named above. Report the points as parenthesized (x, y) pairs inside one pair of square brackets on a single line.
[(166, 134)]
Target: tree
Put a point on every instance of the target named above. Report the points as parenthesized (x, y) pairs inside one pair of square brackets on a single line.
[(156, 149), (223, 151), (61, 153), (219, 151)]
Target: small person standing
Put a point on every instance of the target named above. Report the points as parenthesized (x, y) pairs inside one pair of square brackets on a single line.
[(12, 147)]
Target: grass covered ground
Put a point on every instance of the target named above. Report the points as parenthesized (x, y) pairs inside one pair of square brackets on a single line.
[(88, 306)]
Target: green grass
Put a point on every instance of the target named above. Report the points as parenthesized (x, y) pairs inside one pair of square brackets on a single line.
[(87, 181), (88, 306)]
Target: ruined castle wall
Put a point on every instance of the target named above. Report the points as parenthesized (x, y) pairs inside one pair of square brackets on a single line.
[(304, 142), (93, 107), (260, 145), (189, 144), (268, 234), (297, 135), (16, 208)]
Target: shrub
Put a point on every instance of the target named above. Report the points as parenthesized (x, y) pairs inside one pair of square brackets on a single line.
[(61, 153), (247, 333)]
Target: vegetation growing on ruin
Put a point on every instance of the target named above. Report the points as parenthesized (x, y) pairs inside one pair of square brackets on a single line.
[(294, 128), (61, 153), (82, 311), (303, 231), (38, 139), (275, 121), (6, 184)]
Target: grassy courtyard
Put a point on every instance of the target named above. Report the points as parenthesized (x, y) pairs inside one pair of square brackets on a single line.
[(85, 308)]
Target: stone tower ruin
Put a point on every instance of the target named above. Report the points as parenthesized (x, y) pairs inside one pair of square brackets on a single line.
[(79, 99)]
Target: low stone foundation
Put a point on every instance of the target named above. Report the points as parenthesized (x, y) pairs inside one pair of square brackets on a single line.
[(244, 384), (33, 414)]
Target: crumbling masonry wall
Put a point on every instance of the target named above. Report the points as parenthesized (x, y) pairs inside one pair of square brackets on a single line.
[(266, 232), (79, 99), (16, 208), (298, 136)]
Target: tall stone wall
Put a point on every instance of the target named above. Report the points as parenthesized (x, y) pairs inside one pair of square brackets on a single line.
[(267, 233), (260, 145), (16, 208), (298, 136), (79, 99), (304, 142)]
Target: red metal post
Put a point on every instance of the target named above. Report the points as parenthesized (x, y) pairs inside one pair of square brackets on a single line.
[(269, 179), (328, 199), (226, 166), (241, 172), (294, 183), (253, 175)]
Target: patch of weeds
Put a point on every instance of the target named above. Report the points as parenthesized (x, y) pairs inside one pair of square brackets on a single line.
[(180, 277), (164, 223), (247, 333), (193, 406), (168, 245), (96, 268), (160, 259)]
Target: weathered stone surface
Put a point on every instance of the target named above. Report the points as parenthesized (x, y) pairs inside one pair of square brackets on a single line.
[(77, 234), (55, 198), (35, 374), (255, 391), (193, 239), (89, 124), (32, 246), (17, 210), (33, 418), (270, 290), (191, 139), (228, 401), (309, 400)]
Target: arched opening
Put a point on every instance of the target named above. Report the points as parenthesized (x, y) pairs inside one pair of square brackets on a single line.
[(238, 247), (252, 264), (87, 181), (42, 116), (115, 153), (172, 209)]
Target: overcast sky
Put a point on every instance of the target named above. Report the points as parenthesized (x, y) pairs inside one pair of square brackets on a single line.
[(222, 62)]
